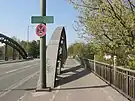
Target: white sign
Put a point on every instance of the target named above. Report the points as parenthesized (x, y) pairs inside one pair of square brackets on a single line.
[(107, 57)]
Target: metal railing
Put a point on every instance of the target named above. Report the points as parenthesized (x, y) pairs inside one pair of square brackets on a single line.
[(123, 80)]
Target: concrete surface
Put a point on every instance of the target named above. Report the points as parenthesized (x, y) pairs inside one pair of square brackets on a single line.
[(77, 84)]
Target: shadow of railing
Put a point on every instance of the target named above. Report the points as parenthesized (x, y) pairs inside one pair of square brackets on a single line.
[(72, 77), (71, 69)]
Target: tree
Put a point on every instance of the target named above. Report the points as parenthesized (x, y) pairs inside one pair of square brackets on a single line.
[(70, 50), (111, 24), (34, 49), (83, 50), (76, 49), (14, 52)]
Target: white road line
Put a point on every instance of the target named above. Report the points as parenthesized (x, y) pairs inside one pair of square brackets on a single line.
[(19, 69), (104, 91), (76, 62), (108, 97), (30, 66), (67, 98), (21, 98), (17, 85), (36, 94), (17, 63), (53, 97)]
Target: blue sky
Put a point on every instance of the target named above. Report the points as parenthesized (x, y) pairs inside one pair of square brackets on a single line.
[(15, 18)]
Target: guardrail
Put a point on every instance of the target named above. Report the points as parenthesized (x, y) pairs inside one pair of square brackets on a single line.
[(121, 79)]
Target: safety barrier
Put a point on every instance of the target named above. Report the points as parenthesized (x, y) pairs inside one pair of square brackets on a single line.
[(123, 80)]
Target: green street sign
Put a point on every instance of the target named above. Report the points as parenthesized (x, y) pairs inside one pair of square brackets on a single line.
[(42, 19)]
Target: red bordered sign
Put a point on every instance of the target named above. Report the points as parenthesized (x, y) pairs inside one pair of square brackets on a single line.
[(41, 30)]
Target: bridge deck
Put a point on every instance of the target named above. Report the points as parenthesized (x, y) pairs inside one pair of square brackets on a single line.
[(78, 84)]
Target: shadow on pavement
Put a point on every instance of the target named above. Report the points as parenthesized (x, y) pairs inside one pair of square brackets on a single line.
[(87, 87), (71, 69), (78, 73)]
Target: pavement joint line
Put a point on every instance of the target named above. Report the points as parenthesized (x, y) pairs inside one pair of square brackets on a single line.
[(16, 71), (20, 83)]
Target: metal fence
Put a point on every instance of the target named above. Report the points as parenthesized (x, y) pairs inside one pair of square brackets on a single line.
[(122, 79)]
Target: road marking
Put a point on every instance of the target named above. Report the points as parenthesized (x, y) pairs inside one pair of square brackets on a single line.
[(108, 97), (21, 98), (17, 63), (17, 85), (104, 91), (30, 66), (36, 94), (76, 62), (19, 69), (53, 97), (67, 97)]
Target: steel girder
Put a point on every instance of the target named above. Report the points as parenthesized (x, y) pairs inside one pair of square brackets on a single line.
[(13, 44), (56, 55)]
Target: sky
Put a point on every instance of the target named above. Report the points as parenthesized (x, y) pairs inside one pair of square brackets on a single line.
[(15, 17)]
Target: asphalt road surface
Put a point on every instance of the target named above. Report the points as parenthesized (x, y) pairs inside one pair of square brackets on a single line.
[(18, 78)]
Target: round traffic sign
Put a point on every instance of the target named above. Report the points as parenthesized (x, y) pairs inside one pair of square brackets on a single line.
[(41, 30)]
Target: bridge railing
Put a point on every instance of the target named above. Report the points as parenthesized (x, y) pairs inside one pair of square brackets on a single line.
[(124, 80)]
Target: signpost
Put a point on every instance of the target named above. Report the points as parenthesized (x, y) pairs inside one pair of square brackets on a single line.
[(42, 19), (41, 31)]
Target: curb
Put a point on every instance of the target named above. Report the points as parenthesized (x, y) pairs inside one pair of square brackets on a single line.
[(14, 61)]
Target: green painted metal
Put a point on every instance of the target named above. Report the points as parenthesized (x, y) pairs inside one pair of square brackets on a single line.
[(42, 19)]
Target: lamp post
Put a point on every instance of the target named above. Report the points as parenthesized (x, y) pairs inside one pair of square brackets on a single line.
[(28, 36)]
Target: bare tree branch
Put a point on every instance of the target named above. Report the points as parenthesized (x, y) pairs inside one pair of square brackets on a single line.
[(104, 33), (116, 15), (83, 5), (130, 3)]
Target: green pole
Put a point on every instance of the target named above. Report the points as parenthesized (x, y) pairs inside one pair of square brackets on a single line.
[(43, 50)]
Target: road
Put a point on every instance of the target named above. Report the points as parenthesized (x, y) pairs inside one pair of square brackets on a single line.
[(16, 79)]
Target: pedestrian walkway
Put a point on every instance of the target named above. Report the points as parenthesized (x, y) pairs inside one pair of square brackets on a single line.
[(77, 84)]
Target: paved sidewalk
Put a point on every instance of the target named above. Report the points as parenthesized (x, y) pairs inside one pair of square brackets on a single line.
[(77, 84)]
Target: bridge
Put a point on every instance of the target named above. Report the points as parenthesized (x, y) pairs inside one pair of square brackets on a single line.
[(9, 41), (69, 79)]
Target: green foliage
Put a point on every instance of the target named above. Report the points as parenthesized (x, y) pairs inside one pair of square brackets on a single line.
[(76, 49), (82, 50), (111, 24), (32, 48)]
